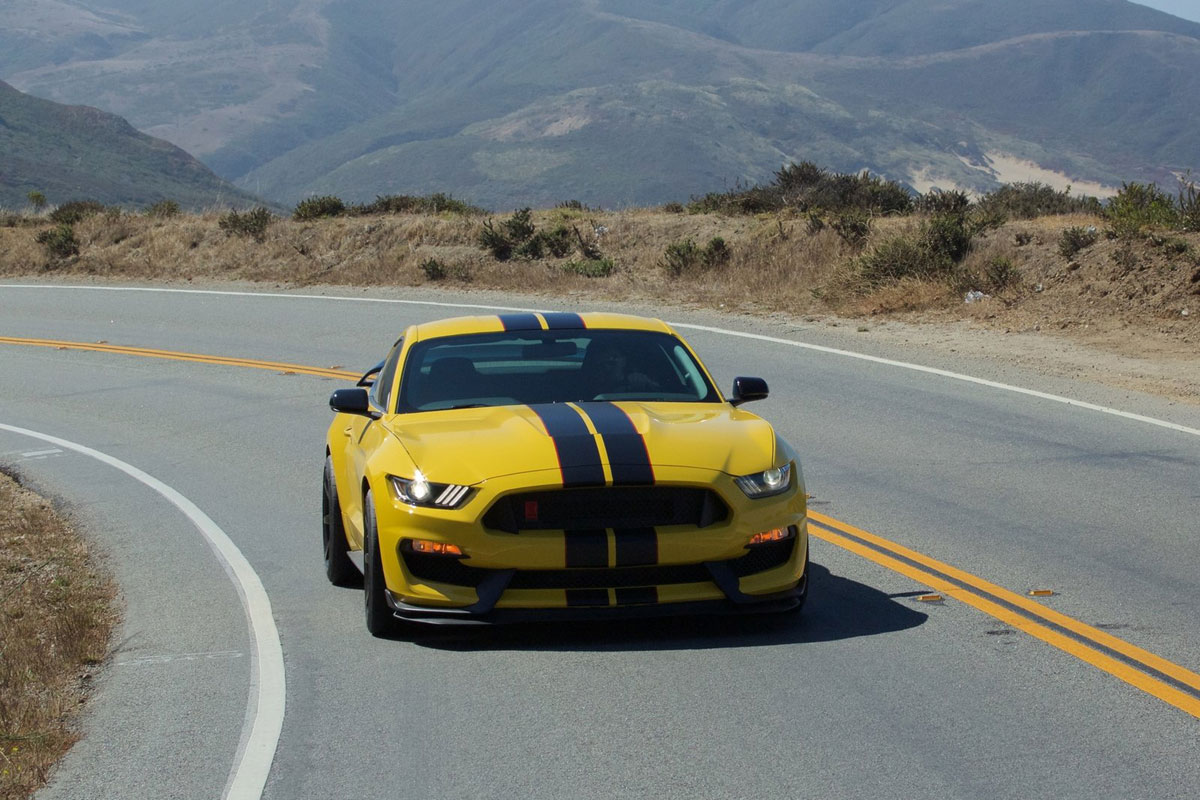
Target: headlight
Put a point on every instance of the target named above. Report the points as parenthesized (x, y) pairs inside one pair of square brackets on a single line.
[(417, 491), (767, 483)]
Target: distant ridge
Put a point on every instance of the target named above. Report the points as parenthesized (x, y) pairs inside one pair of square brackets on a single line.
[(78, 152), (627, 102)]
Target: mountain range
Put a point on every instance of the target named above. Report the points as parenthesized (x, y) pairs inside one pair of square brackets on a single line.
[(620, 102)]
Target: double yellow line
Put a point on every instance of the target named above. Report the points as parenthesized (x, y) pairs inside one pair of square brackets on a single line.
[(144, 352), (1140, 668)]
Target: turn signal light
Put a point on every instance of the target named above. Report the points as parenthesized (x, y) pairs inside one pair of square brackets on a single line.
[(774, 535), (436, 548)]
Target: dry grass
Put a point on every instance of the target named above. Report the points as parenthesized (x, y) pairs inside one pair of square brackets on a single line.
[(56, 613), (777, 262)]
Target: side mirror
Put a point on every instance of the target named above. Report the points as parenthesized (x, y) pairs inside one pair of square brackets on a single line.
[(747, 389), (351, 401)]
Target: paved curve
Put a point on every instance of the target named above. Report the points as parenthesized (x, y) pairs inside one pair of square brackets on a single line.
[(873, 694)]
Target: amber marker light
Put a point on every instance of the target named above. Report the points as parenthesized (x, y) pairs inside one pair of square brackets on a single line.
[(774, 535), (436, 548)]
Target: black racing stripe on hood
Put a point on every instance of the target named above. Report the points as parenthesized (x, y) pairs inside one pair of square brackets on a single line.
[(563, 321), (627, 454), (520, 322), (578, 455)]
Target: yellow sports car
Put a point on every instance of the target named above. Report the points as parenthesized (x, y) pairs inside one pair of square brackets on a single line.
[(541, 466)]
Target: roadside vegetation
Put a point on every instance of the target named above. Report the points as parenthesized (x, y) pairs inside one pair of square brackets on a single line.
[(56, 614), (809, 242)]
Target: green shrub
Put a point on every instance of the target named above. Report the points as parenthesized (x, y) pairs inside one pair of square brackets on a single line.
[(409, 204), (591, 267), (1001, 273), (1032, 200), (804, 187), (59, 241), (318, 208), (75, 211), (495, 242), (674, 208), (944, 202), (573, 205), (815, 223), (716, 253), (681, 257), (898, 257), (434, 270), (1139, 206), (948, 235), (1074, 239), (252, 224), (557, 241), (37, 200), (519, 227), (533, 248), (163, 209), (853, 226)]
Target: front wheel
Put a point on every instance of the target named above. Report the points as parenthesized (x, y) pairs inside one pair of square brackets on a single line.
[(380, 620), (338, 567)]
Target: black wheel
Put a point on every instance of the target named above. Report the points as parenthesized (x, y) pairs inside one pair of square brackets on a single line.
[(380, 621), (338, 567), (803, 588)]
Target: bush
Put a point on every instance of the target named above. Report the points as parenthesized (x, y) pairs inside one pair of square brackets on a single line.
[(495, 242), (409, 204), (1139, 206), (1075, 239), (1001, 273), (674, 208), (804, 187), (59, 241), (853, 226), (681, 257), (318, 208), (716, 253), (163, 209), (573, 205), (557, 241), (519, 227), (37, 200), (434, 270), (75, 211), (1032, 200), (591, 267), (898, 257), (252, 223)]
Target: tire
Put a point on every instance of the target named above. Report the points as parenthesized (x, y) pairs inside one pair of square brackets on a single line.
[(804, 592), (338, 567), (380, 620)]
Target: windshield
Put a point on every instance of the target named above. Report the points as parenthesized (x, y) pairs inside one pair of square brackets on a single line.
[(527, 367)]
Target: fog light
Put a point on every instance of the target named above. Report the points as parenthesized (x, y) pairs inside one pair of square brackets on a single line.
[(436, 548), (773, 535)]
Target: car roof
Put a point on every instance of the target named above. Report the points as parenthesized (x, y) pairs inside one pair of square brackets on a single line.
[(534, 321)]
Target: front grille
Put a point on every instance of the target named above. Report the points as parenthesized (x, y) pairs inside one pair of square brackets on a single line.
[(610, 507)]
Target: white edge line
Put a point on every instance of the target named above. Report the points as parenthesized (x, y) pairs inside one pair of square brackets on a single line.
[(264, 711), (706, 328)]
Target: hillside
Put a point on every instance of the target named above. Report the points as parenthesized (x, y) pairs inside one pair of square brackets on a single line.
[(77, 152), (618, 102)]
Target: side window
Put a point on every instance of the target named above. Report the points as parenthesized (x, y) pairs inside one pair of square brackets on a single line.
[(383, 383)]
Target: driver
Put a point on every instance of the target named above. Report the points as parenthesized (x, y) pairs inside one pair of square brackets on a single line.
[(606, 370)]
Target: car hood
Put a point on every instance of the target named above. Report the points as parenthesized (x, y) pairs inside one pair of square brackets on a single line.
[(468, 446)]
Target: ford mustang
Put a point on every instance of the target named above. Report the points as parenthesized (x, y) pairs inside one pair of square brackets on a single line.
[(556, 465)]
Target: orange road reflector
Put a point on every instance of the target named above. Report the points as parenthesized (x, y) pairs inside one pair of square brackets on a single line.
[(931, 598), (1041, 592)]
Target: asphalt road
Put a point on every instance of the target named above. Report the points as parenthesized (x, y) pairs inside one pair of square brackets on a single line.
[(872, 693)]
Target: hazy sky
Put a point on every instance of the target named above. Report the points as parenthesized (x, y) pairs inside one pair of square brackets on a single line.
[(1188, 9)]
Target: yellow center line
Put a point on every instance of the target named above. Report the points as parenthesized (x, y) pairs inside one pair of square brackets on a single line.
[(1147, 683), (104, 347), (940, 576)]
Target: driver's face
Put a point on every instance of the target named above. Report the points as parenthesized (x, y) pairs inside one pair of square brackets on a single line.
[(611, 362)]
